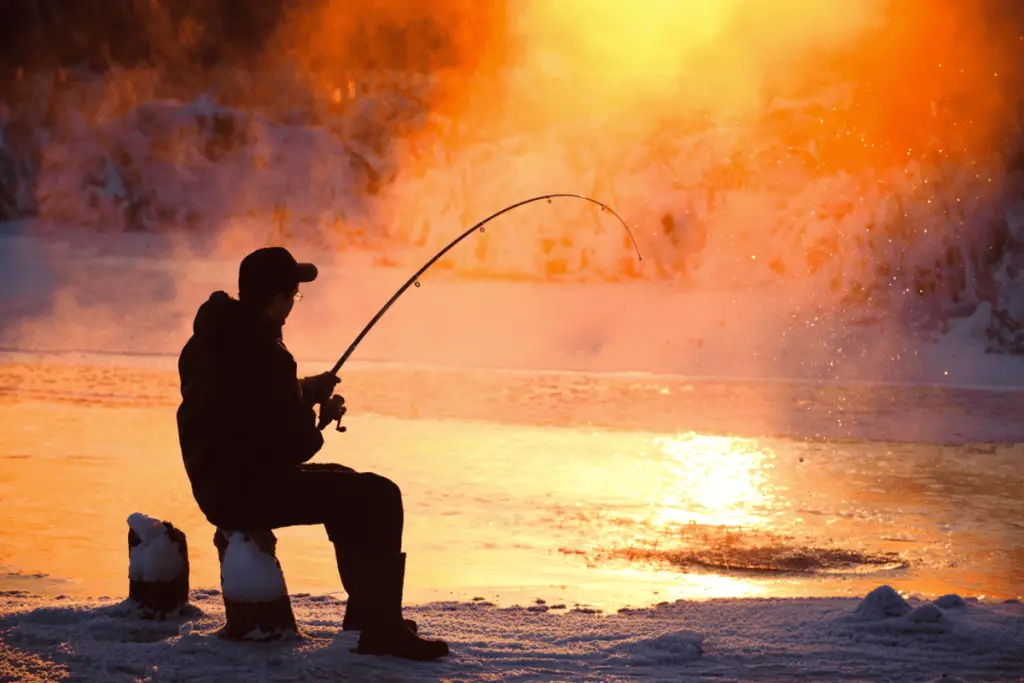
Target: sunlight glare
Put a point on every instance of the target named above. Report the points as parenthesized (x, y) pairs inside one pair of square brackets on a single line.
[(719, 480)]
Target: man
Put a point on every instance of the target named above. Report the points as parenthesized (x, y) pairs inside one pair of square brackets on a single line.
[(246, 426)]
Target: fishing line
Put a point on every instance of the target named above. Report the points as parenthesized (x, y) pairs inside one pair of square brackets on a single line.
[(415, 279)]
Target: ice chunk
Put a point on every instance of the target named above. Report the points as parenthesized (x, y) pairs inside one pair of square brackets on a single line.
[(248, 574)]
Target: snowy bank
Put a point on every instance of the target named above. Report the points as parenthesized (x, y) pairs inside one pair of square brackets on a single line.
[(722, 640)]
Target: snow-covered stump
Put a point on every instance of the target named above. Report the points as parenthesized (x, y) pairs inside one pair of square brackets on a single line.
[(256, 601), (157, 566)]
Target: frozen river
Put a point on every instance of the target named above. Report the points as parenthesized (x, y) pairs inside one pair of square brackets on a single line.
[(604, 490)]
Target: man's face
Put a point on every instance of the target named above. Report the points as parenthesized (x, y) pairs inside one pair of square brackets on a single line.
[(281, 306)]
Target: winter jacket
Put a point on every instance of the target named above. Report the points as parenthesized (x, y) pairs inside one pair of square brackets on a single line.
[(242, 422)]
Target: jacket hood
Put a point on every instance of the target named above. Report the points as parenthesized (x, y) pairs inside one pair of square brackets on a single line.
[(222, 317)]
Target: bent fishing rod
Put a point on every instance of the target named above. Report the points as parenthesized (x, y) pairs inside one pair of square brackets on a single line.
[(415, 279)]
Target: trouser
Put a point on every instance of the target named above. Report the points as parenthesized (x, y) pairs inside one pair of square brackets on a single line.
[(361, 511), (363, 515)]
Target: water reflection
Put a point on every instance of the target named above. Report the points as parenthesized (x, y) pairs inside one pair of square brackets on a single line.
[(715, 481)]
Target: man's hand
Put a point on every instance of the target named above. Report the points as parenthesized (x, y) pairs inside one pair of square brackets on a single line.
[(318, 388), (333, 409)]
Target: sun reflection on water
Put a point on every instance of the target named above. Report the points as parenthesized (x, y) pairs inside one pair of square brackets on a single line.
[(715, 481)]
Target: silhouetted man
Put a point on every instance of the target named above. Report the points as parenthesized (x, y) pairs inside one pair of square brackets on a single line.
[(246, 426)]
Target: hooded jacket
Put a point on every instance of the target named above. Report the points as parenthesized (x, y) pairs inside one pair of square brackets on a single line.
[(242, 422)]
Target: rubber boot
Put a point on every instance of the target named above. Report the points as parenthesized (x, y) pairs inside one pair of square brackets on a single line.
[(351, 580), (384, 632)]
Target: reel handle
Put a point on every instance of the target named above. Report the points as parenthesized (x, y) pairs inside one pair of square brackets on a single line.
[(323, 422)]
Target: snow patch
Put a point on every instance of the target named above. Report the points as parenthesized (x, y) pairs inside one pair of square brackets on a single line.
[(676, 647), (157, 557), (248, 574)]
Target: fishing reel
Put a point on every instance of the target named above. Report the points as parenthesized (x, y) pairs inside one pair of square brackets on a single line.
[(324, 420)]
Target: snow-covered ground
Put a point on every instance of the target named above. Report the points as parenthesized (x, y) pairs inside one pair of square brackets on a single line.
[(881, 637)]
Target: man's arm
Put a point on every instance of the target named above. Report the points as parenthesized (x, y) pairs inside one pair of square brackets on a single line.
[(317, 389)]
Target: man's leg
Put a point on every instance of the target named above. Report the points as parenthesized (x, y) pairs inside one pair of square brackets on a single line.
[(364, 517), (360, 510), (355, 610)]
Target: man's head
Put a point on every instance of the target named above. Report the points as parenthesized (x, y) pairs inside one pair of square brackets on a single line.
[(268, 280)]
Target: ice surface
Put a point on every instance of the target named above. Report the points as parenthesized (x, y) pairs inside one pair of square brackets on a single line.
[(248, 574), (157, 557), (719, 640)]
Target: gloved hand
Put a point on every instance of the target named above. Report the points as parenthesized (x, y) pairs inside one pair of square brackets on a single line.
[(318, 388), (333, 409)]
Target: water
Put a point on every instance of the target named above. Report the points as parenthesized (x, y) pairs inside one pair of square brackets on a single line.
[(601, 490)]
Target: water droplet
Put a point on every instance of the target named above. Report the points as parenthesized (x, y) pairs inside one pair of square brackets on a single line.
[(481, 228), (549, 200), (417, 283)]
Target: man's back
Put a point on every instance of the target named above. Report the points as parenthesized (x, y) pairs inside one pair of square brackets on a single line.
[(242, 421)]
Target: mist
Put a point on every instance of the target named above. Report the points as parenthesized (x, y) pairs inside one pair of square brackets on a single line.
[(789, 169)]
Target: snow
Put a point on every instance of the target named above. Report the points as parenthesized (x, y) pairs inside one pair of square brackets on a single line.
[(147, 528), (881, 603), (248, 574), (157, 557), (168, 161), (721, 640), (950, 601)]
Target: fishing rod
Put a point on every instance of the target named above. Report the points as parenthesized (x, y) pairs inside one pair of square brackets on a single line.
[(415, 279)]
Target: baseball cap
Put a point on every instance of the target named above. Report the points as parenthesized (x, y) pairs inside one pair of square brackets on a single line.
[(270, 271)]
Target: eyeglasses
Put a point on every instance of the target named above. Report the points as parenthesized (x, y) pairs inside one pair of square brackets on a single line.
[(297, 296)]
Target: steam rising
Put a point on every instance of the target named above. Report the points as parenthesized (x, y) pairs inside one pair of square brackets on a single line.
[(791, 168)]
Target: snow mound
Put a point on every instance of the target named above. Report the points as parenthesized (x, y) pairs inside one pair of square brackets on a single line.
[(951, 601), (982, 641), (925, 614), (882, 603)]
